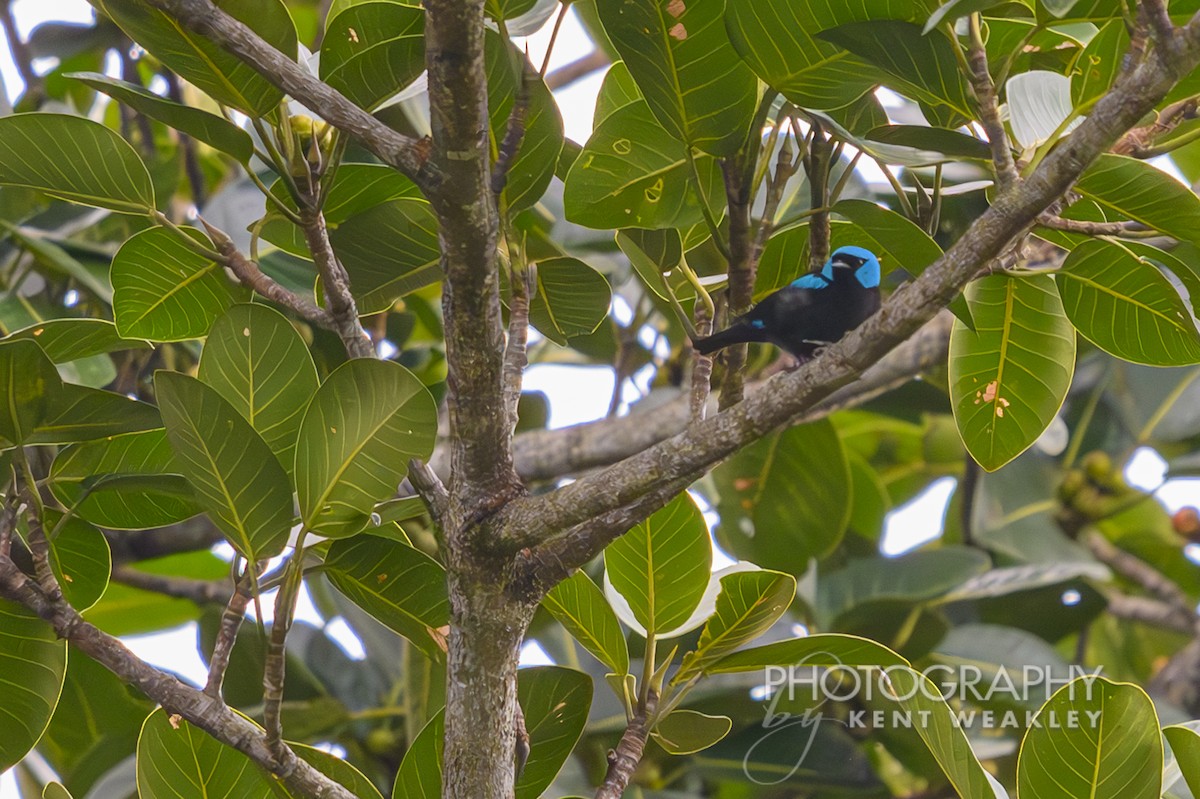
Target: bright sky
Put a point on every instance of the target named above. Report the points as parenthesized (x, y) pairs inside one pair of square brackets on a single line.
[(578, 394)]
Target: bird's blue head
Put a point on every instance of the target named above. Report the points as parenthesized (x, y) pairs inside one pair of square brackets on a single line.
[(864, 263)]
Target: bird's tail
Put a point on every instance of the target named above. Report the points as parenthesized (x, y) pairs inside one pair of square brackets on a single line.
[(740, 332)]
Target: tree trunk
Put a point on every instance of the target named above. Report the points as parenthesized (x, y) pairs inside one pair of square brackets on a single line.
[(488, 626)]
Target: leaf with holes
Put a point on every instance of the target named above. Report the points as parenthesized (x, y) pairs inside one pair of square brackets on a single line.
[(364, 424), (209, 128), (373, 50), (571, 299), (661, 566), (579, 606), (749, 603), (1097, 66), (203, 62), (74, 159), (1126, 307), (256, 360), (679, 55), (400, 586), (165, 291), (236, 478), (176, 760), (631, 173), (1115, 750), (1009, 376), (33, 661)]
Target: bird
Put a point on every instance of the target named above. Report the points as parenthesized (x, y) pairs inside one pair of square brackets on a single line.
[(811, 312)]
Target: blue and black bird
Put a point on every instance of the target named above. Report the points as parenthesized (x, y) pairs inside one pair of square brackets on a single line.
[(812, 311)]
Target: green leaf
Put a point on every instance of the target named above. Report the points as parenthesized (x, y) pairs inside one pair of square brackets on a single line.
[(685, 732), (531, 169), (30, 384), (786, 498), (79, 413), (66, 340), (956, 9), (827, 649), (237, 480), (256, 360), (571, 299), (661, 566), (891, 236), (923, 67), (653, 253), (366, 421), (1126, 307), (749, 603), (555, 702), (507, 9), (33, 661), (389, 250), (157, 495), (124, 610), (632, 173), (373, 50), (691, 77), (55, 791), (579, 606), (165, 291), (913, 694), (617, 90), (778, 39), (947, 145), (337, 769), (400, 586), (1009, 376), (80, 559), (420, 773), (178, 761), (74, 159), (1139, 191), (1097, 66), (1185, 745), (203, 62), (209, 128), (912, 578), (1115, 749), (93, 278)]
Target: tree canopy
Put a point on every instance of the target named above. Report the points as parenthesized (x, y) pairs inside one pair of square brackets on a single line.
[(273, 272)]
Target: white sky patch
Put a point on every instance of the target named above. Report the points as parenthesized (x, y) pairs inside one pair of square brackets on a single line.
[(532, 654), (174, 650), (1164, 163), (1146, 469), (919, 521), (577, 393), (342, 634)]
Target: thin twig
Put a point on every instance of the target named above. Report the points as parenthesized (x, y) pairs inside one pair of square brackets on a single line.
[(514, 133), (336, 283), (231, 622), (1128, 229), (191, 161), (989, 109), (523, 280), (1138, 571), (202, 592), (577, 70), (21, 55), (275, 663)]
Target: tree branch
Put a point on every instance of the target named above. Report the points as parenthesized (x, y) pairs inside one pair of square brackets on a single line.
[(202, 592), (227, 631), (595, 502), (402, 152), (989, 110), (343, 311), (579, 68), (1092, 228), (482, 474), (623, 760), (198, 708), (522, 283)]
